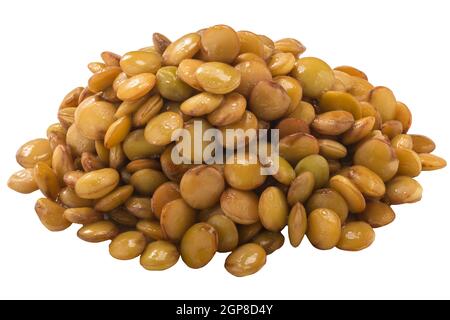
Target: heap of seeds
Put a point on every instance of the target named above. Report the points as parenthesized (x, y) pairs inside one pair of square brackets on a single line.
[(345, 154)]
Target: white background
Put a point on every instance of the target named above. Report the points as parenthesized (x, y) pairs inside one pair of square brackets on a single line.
[(45, 46)]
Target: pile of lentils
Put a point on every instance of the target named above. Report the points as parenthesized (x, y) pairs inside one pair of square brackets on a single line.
[(345, 154)]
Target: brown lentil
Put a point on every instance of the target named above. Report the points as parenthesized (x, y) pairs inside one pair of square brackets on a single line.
[(377, 214), (123, 217), (183, 48), (297, 224), (352, 71), (170, 86), (127, 245), (273, 209), (136, 87), (301, 188), (151, 229), (159, 255), (165, 193), (46, 180), (23, 181), (230, 110), (176, 218), (314, 75), (403, 189), (199, 245), (96, 184), (202, 186), (34, 151), (226, 231), (354, 198), (51, 215), (251, 73), (240, 206), (98, 231), (270, 241), (324, 228), (422, 144), (218, 77), (220, 43), (355, 236), (330, 199), (146, 181), (318, 166), (83, 215), (136, 62), (431, 162), (269, 101), (246, 260), (69, 198)]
